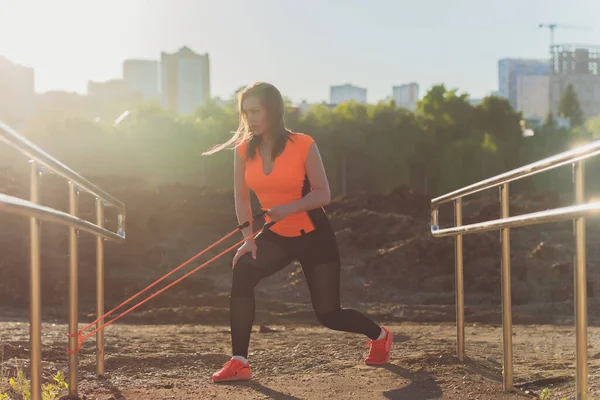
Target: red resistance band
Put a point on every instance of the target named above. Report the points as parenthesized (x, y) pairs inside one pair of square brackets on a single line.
[(79, 333)]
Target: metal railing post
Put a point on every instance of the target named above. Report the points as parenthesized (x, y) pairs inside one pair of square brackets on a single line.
[(99, 289), (38, 213), (459, 284), (35, 296), (121, 224), (506, 293), (73, 292), (577, 213), (580, 286)]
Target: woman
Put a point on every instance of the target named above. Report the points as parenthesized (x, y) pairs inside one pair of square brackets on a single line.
[(286, 172)]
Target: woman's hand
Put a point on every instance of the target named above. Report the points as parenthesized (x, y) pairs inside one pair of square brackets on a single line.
[(248, 247), (277, 213)]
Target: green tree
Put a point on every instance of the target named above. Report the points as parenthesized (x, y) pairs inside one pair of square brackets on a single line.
[(341, 131), (444, 144), (593, 126), (447, 120), (496, 117), (570, 108), (389, 146)]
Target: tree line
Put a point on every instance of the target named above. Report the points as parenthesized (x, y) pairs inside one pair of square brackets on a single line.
[(444, 144)]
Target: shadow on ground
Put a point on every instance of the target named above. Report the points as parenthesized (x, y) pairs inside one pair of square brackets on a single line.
[(271, 393), (422, 385)]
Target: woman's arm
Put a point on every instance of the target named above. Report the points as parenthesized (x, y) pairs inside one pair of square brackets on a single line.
[(241, 191), (320, 194)]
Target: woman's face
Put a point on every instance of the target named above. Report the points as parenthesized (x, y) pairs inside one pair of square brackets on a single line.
[(256, 115)]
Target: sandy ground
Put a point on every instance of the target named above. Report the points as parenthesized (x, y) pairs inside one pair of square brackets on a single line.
[(310, 362)]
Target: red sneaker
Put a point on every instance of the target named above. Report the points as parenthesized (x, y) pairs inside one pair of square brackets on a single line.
[(233, 370), (380, 349)]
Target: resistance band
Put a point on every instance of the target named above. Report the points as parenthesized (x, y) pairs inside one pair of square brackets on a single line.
[(246, 224)]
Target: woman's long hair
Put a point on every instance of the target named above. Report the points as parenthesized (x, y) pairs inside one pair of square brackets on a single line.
[(271, 99)]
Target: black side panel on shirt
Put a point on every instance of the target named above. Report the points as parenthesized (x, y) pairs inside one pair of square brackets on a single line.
[(317, 216)]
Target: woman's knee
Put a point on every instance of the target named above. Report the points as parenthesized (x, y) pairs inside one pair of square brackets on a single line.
[(245, 277), (330, 319)]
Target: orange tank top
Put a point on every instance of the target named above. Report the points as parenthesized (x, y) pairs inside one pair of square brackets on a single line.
[(284, 184)]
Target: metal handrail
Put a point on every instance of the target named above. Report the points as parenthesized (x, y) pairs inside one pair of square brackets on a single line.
[(577, 212), (28, 148), (17, 206), (567, 157), (540, 217), (42, 161)]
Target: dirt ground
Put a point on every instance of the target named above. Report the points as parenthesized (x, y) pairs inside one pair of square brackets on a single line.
[(310, 362)]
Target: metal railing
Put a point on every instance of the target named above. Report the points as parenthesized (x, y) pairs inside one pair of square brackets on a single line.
[(40, 161), (577, 212)]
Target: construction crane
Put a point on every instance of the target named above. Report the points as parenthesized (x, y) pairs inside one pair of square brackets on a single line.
[(553, 26)]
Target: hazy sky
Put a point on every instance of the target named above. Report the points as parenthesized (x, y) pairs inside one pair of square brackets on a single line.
[(302, 46)]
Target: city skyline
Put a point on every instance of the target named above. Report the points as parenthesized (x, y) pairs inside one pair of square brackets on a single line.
[(374, 46), (139, 70)]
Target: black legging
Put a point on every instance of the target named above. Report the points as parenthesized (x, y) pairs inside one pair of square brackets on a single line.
[(317, 252)]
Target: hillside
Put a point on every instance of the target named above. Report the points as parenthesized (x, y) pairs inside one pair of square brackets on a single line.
[(391, 264)]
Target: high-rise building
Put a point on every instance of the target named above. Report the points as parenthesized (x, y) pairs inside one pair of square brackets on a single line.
[(509, 71), (114, 89), (341, 93), (142, 76), (533, 96), (571, 59), (185, 80), (577, 65), (587, 89), (407, 95), (17, 93)]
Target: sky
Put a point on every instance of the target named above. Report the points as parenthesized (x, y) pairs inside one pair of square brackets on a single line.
[(301, 46)]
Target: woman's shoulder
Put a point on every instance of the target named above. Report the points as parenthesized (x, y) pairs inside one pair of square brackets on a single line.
[(302, 139), (242, 148), (302, 143)]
